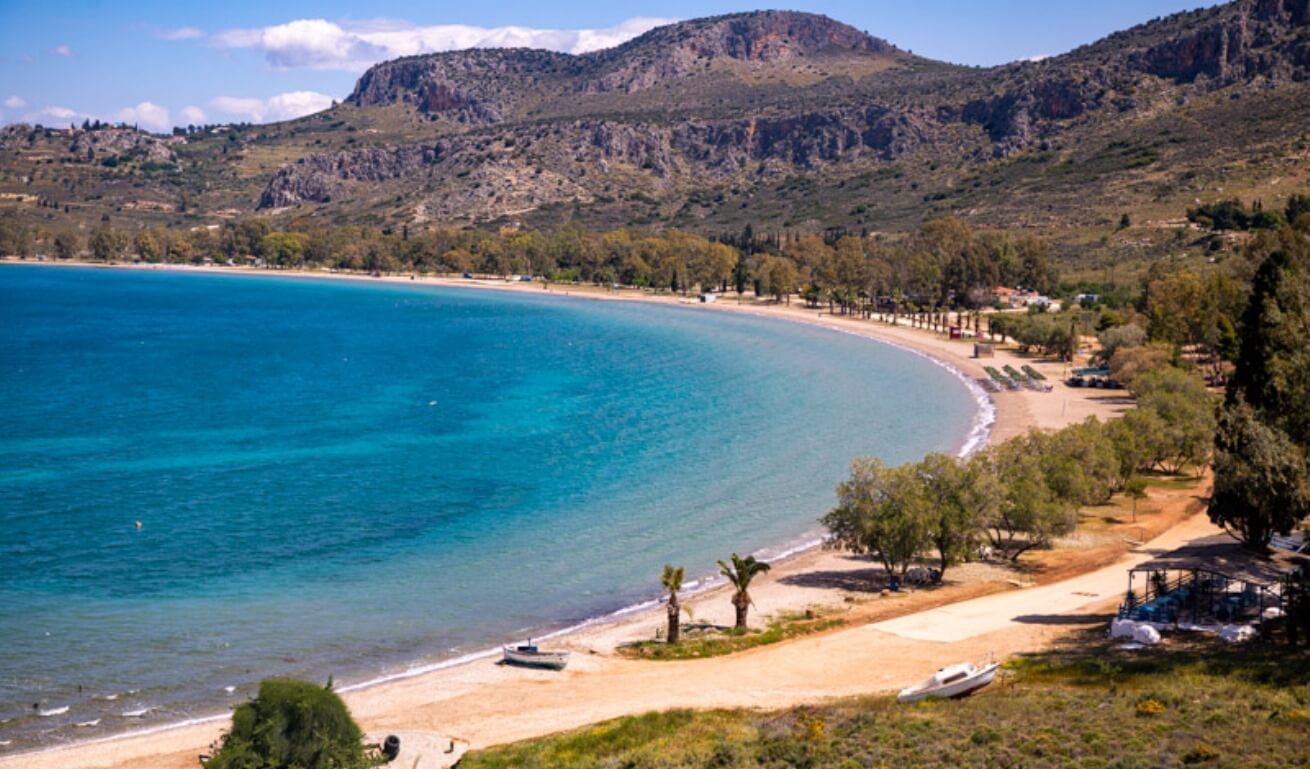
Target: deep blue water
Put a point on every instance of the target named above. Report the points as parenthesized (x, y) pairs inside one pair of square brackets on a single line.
[(353, 477)]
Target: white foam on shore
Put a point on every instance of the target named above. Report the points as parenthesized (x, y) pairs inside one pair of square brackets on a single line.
[(123, 735), (985, 416)]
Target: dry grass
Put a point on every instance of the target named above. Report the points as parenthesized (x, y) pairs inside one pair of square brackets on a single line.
[(1083, 704)]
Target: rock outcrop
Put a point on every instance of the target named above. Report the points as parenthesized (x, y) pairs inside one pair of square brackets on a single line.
[(118, 142), (317, 178), (1260, 38), (474, 86)]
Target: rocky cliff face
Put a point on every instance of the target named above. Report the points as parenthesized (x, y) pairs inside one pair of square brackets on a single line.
[(318, 178), (710, 150), (474, 86), (1202, 50), (1259, 38)]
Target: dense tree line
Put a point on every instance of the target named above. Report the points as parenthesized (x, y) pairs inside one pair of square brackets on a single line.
[(1023, 493), (943, 264), (1233, 214)]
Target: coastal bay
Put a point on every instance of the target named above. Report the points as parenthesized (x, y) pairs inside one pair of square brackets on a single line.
[(399, 493)]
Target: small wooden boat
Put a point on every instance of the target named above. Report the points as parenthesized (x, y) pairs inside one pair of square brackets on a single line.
[(529, 655), (951, 682)]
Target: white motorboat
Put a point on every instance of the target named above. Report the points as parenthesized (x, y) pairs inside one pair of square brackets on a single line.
[(529, 655), (951, 682)]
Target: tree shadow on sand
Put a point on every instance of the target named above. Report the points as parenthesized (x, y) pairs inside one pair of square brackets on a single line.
[(871, 580)]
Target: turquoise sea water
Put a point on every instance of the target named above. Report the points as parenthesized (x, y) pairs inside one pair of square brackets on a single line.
[(354, 478)]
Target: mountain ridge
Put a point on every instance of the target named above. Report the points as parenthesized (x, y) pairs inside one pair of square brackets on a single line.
[(779, 118), (1026, 104)]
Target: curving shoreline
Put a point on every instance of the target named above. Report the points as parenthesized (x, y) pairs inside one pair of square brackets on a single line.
[(995, 419)]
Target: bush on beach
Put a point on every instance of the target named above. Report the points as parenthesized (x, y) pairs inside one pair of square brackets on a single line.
[(292, 725)]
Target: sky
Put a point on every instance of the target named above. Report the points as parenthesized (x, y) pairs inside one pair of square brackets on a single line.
[(161, 63)]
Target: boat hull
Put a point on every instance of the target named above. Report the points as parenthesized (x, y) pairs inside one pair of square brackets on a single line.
[(536, 659), (951, 691)]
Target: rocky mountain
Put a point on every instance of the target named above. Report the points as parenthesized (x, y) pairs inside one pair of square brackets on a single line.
[(783, 119), (590, 122)]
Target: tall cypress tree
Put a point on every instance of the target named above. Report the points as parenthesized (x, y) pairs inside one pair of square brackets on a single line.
[(1261, 486), (1273, 363)]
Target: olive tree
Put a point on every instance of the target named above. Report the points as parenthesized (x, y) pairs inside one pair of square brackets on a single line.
[(1028, 513), (1186, 411), (881, 511), (961, 494)]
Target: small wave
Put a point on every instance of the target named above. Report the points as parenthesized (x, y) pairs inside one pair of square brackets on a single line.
[(5, 743), (86, 724), (108, 697), (229, 689), (135, 713), (52, 712)]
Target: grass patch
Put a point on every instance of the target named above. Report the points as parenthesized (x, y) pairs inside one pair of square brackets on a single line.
[(719, 643), (1203, 704)]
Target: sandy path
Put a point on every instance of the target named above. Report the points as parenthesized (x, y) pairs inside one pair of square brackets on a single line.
[(1014, 610)]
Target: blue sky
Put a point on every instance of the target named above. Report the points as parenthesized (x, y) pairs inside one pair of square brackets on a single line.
[(161, 64)]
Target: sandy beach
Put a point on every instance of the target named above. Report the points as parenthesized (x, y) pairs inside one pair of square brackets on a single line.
[(488, 704)]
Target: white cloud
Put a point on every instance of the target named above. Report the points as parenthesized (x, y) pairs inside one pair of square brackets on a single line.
[(147, 115), (284, 106), (180, 33), (15, 102), (321, 44), (252, 109), (192, 115), (62, 50), (62, 113), (55, 116)]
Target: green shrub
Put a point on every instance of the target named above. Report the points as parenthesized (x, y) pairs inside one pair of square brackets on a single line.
[(1200, 754), (292, 725)]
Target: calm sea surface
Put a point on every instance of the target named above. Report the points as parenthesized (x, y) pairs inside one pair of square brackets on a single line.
[(356, 478)]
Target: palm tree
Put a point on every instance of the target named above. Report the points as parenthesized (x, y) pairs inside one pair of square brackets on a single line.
[(672, 581), (740, 574)]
